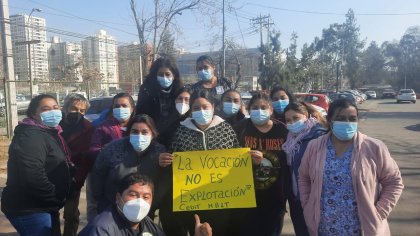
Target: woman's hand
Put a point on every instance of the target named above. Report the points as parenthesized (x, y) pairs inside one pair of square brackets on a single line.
[(256, 156), (165, 159)]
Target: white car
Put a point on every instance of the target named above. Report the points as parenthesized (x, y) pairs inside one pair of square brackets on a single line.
[(407, 95), (371, 94)]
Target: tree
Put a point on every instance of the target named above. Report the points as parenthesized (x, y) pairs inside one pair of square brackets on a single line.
[(271, 64), (291, 70), (352, 46), (159, 21), (168, 45), (372, 65)]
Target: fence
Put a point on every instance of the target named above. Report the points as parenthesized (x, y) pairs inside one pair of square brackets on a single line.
[(58, 89)]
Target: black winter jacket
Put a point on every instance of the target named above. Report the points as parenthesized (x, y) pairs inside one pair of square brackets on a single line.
[(38, 174), (119, 159)]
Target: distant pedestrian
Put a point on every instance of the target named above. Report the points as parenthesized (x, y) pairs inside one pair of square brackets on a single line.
[(77, 132), (38, 171), (348, 182)]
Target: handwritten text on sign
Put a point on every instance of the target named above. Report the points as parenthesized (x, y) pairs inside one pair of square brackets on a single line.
[(216, 179)]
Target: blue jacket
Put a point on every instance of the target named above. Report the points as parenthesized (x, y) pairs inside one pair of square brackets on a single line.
[(314, 133)]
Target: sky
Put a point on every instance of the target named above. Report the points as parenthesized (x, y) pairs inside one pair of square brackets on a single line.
[(379, 20)]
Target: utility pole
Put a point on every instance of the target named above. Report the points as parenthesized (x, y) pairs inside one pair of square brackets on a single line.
[(9, 72), (261, 21), (268, 23), (223, 43)]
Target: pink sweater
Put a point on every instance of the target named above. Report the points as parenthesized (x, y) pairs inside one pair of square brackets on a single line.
[(376, 182)]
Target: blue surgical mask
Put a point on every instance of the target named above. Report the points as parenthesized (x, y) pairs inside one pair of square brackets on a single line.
[(164, 81), (279, 105), (140, 142), (202, 117), (296, 127), (122, 113), (204, 74), (230, 108), (51, 118), (344, 131), (260, 117)]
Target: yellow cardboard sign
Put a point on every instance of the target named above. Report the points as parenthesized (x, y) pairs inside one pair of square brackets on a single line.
[(215, 179)]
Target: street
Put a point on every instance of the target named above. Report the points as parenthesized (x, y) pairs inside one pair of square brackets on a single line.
[(397, 125)]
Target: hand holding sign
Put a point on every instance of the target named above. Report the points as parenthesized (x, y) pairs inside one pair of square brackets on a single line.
[(165, 159), (201, 229), (256, 156)]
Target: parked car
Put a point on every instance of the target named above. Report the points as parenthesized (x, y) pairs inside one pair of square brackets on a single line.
[(348, 96), (320, 100), (388, 93), (320, 110), (359, 98), (97, 105), (406, 95), (370, 94)]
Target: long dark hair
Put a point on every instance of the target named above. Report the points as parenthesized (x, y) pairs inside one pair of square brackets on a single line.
[(34, 104), (165, 61)]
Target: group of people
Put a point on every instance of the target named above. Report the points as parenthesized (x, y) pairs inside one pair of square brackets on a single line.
[(336, 180)]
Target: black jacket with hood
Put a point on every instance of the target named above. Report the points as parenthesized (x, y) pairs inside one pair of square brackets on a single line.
[(38, 173)]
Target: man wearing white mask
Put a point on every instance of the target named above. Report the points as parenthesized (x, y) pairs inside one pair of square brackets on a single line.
[(137, 153), (128, 215)]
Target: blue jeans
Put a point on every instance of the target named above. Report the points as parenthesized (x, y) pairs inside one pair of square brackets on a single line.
[(42, 224)]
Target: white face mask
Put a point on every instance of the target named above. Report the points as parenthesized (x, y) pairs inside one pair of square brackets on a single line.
[(182, 108), (135, 210)]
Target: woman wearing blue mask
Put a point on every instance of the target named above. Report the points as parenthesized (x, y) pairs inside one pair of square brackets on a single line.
[(138, 152), (233, 110), (280, 98), (207, 79), (158, 92), (203, 131), (304, 123), (113, 128), (348, 182), (38, 173), (265, 137)]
